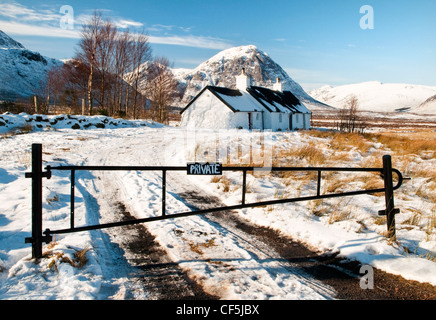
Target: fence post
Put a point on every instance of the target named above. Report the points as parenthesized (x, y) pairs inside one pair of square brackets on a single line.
[(244, 185), (37, 174), (318, 186), (389, 197), (72, 197), (164, 188)]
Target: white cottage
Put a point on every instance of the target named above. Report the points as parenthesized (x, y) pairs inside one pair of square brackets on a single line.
[(247, 107)]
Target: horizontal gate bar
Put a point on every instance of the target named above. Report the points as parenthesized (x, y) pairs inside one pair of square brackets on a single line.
[(198, 212), (243, 168), (184, 168)]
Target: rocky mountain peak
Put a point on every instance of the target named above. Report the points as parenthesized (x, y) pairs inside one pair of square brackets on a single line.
[(7, 42), (221, 70), (22, 71)]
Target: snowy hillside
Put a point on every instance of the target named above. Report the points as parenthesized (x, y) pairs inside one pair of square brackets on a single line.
[(376, 96), (427, 107), (221, 69), (21, 71)]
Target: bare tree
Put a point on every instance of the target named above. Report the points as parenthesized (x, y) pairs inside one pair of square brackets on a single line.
[(104, 59), (90, 39), (104, 56), (161, 88), (76, 74), (123, 62), (349, 119), (52, 87), (140, 54)]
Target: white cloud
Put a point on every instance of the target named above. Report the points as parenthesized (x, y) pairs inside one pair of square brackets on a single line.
[(15, 28), (192, 41), (16, 19), (19, 12), (128, 23)]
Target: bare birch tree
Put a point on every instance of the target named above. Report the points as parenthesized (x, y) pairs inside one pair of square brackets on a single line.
[(123, 62), (140, 54), (104, 59), (161, 88), (89, 42), (349, 118), (109, 55)]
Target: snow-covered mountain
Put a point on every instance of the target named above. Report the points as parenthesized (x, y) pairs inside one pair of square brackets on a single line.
[(21, 71), (221, 69), (378, 97)]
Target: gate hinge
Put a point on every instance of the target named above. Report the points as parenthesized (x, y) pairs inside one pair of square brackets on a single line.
[(383, 212), (47, 238), (46, 174)]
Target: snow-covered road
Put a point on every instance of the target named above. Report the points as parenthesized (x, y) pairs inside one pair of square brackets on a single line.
[(222, 259)]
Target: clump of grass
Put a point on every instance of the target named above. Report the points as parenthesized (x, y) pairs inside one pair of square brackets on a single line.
[(414, 219), (52, 199), (80, 257), (427, 191), (309, 153), (420, 144), (223, 181), (318, 208), (319, 133), (341, 213), (226, 184), (268, 209), (372, 181), (197, 247), (430, 227), (347, 141), (78, 261), (215, 179), (335, 183)]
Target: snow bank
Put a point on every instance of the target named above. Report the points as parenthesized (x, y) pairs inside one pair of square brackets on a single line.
[(25, 122)]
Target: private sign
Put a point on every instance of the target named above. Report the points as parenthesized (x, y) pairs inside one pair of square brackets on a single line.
[(205, 168)]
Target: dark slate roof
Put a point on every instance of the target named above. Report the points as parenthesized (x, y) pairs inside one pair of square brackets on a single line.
[(260, 99), (275, 101), (215, 90), (226, 91)]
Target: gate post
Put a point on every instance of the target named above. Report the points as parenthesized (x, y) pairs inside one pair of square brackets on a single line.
[(389, 197), (37, 174)]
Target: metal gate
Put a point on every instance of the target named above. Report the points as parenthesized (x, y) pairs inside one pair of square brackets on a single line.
[(37, 174)]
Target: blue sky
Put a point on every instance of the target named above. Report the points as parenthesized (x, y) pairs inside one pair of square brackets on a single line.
[(316, 42)]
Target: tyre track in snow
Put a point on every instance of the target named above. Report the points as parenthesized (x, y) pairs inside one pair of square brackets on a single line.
[(260, 243), (152, 273)]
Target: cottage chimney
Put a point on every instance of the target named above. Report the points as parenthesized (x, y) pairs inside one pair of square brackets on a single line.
[(278, 85), (242, 81)]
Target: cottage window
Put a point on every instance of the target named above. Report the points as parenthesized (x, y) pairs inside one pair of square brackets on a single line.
[(258, 116), (280, 117)]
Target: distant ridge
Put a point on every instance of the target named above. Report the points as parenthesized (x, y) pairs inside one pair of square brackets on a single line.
[(377, 96)]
